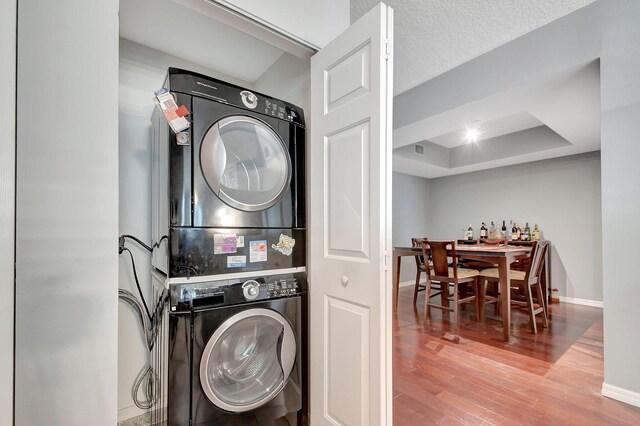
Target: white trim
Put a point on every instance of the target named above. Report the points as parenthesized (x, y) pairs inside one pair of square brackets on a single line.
[(411, 283), (584, 302), (234, 275), (248, 24), (130, 412), (620, 394), (8, 22)]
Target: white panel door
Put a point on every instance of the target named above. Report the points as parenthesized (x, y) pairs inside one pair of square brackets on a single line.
[(350, 225)]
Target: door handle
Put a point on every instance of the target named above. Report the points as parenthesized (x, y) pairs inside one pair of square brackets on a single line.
[(344, 280)]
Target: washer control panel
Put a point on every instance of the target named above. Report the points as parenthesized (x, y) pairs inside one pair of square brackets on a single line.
[(282, 287), (270, 288), (212, 294)]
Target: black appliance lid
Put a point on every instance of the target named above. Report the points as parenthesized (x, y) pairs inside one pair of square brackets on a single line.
[(195, 84)]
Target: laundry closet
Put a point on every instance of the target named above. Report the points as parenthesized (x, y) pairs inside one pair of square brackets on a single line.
[(202, 46)]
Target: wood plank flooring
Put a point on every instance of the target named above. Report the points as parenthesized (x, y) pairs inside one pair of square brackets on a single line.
[(552, 378)]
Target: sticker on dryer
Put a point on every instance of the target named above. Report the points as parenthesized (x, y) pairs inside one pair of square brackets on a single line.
[(258, 251), (285, 245), (236, 261), (225, 243), (240, 241)]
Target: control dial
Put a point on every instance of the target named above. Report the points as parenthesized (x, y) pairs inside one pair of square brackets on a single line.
[(251, 289), (249, 99)]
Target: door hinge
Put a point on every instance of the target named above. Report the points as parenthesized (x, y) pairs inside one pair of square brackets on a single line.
[(386, 261), (387, 48)]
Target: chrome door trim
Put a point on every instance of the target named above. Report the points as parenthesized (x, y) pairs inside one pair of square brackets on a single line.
[(287, 358), (213, 147)]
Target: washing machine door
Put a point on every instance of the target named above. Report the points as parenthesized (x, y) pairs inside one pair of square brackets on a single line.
[(245, 163), (248, 360)]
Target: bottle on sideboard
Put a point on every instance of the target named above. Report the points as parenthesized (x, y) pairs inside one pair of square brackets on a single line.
[(536, 233), (504, 230), (469, 233), (526, 234), (492, 231), (514, 232), (509, 230), (518, 233), (483, 231)]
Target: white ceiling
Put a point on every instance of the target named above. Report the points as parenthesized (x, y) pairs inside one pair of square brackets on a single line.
[(175, 29), (543, 119), (550, 118), (434, 36)]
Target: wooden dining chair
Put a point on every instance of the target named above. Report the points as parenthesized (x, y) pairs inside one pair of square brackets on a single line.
[(525, 283), (421, 267), (446, 276), (491, 294)]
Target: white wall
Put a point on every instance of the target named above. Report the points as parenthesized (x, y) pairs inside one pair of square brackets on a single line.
[(561, 195), (67, 213), (142, 70), (411, 200), (288, 79), (8, 20)]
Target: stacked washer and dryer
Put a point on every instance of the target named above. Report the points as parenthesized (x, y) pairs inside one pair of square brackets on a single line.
[(228, 214)]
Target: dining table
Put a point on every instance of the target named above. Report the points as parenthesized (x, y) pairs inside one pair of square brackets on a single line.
[(500, 255)]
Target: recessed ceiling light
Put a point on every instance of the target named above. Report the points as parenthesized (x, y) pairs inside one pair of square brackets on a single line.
[(473, 132), (472, 135)]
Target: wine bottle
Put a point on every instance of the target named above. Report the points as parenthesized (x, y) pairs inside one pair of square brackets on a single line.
[(536, 233), (470, 233), (504, 230), (483, 231), (514, 231), (492, 231), (526, 235)]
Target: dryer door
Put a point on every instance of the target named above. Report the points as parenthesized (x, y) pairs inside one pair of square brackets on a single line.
[(245, 163), (248, 360)]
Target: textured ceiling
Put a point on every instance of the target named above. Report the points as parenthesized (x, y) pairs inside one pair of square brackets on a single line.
[(434, 36)]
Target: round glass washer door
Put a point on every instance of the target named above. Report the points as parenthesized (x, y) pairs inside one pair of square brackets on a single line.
[(245, 163), (248, 360)]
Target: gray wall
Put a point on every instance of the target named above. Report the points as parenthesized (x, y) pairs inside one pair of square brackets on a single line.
[(620, 85), (142, 70), (561, 195), (410, 216), (67, 213), (8, 20)]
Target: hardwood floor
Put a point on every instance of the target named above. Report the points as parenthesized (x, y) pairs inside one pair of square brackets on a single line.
[(552, 378)]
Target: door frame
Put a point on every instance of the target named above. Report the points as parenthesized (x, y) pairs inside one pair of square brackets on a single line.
[(8, 51)]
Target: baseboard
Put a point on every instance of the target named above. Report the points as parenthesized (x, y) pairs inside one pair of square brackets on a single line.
[(410, 283), (573, 300), (129, 413), (584, 302), (620, 394)]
